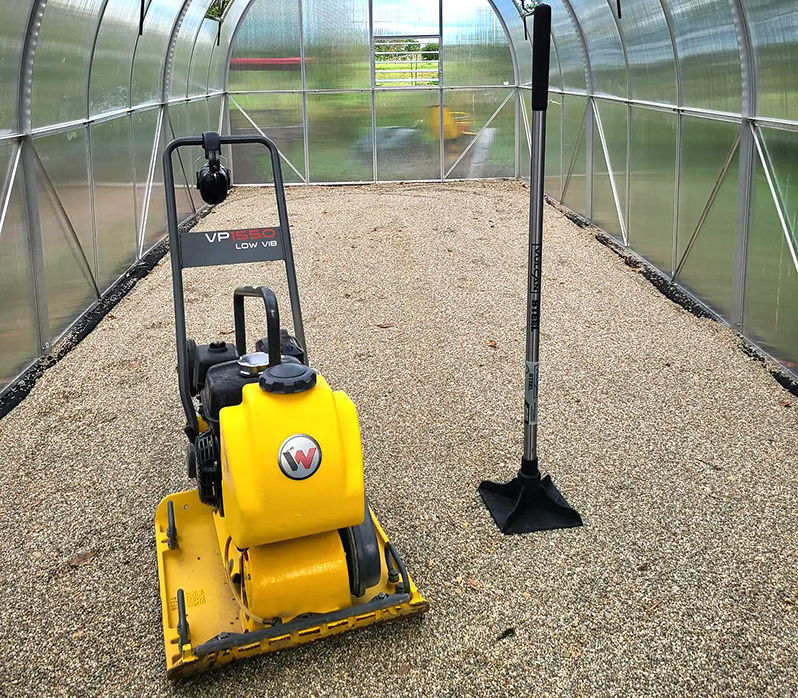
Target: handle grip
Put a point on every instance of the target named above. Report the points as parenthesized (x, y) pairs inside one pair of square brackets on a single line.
[(541, 53), (272, 320)]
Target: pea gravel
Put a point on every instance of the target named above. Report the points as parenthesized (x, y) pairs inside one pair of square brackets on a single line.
[(680, 451)]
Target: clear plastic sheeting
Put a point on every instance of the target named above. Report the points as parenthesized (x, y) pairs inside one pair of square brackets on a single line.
[(114, 202), (475, 48), (12, 43), (520, 47), (574, 153), (485, 147), (267, 53), (185, 44), (554, 163), (189, 119), (708, 53), (147, 80), (673, 127), (59, 86), (707, 255), (652, 187), (233, 22), (201, 58), (774, 30), (649, 50), (343, 92), (336, 44), (609, 167), (109, 89), (604, 46), (405, 138), (779, 148), (87, 126), (771, 299), (281, 117), (568, 50), (340, 137), (701, 88), (152, 222), (709, 151), (68, 255), (148, 181), (17, 311), (64, 177)]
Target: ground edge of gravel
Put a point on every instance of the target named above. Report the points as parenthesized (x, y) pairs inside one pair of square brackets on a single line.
[(680, 296), (16, 391)]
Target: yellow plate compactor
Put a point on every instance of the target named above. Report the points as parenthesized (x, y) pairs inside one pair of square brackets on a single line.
[(277, 545)]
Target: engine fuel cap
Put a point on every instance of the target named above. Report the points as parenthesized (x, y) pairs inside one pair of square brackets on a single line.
[(285, 379), (253, 364)]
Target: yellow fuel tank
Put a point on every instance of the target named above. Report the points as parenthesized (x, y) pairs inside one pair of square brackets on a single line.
[(292, 465)]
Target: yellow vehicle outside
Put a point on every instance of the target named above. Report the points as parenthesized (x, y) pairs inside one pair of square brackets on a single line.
[(455, 123)]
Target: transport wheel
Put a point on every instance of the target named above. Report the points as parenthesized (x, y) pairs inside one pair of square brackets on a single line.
[(363, 556)]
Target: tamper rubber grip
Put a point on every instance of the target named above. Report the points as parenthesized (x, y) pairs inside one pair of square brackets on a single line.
[(541, 50)]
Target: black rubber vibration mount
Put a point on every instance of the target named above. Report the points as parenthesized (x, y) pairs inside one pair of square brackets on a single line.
[(528, 502)]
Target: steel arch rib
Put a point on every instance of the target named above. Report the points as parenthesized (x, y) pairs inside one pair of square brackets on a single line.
[(589, 88), (34, 230), (747, 157), (170, 49)]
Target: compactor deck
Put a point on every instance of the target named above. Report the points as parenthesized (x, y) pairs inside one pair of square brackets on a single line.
[(214, 628)]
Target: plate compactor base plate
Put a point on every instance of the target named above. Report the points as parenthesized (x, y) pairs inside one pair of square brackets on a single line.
[(203, 622)]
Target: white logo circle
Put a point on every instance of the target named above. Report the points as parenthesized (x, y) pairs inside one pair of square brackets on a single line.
[(299, 456)]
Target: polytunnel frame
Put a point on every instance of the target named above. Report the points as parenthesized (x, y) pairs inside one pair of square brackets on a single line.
[(34, 178), (748, 143)]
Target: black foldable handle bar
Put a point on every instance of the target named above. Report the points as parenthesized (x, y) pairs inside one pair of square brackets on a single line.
[(192, 424), (272, 319)]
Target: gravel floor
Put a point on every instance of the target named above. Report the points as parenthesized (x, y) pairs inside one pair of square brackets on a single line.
[(679, 450)]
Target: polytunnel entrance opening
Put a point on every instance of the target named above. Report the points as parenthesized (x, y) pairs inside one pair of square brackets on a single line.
[(385, 91)]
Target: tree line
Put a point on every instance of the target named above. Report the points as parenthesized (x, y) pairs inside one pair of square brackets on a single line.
[(385, 51)]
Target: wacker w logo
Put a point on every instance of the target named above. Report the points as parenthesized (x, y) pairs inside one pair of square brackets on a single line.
[(299, 456)]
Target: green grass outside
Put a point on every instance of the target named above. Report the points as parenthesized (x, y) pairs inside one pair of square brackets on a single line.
[(413, 73)]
